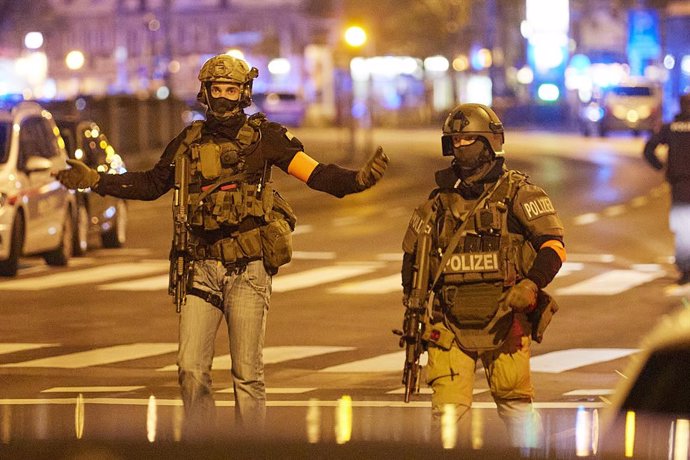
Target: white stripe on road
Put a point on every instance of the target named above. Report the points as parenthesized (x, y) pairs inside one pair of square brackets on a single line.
[(86, 276), (6, 348), (565, 360), (592, 392), (569, 267), (100, 356), (384, 285), (273, 355), (287, 403), (428, 391), (317, 276), (98, 389), (276, 391), (313, 255), (600, 258), (303, 229), (152, 283), (610, 283), (390, 362)]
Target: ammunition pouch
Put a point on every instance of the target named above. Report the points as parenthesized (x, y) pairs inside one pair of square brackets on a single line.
[(230, 206), (541, 316), (472, 305), (276, 235)]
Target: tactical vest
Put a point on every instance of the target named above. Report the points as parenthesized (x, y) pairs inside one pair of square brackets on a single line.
[(235, 214), (487, 260)]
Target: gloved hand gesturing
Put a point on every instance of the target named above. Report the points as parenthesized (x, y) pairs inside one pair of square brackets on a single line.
[(78, 176), (373, 170), (523, 296)]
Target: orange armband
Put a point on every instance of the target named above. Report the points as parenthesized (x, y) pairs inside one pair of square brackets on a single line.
[(301, 166)]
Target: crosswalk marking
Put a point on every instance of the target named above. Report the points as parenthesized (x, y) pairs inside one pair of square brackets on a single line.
[(569, 267), (85, 276), (152, 283), (276, 390), (611, 282), (429, 390), (565, 360), (384, 285), (317, 276), (6, 348), (390, 362), (99, 356), (591, 392), (93, 389), (273, 355)]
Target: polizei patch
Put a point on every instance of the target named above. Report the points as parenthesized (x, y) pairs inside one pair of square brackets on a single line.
[(537, 208), (472, 262)]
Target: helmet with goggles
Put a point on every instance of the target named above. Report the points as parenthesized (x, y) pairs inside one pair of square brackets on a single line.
[(468, 122)]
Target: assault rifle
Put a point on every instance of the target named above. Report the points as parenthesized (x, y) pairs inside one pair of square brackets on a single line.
[(179, 259), (415, 316)]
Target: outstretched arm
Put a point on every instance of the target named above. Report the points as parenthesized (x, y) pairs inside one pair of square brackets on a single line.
[(335, 180)]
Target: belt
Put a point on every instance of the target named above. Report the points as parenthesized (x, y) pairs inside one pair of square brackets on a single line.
[(209, 297)]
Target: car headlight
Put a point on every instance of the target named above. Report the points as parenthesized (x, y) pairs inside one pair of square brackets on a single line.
[(644, 112)]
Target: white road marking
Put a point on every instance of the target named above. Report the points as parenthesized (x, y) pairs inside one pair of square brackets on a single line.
[(152, 283), (597, 258), (273, 355), (429, 390), (390, 362), (275, 391), (6, 348), (565, 360), (384, 285), (94, 389), (86, 276), (99, 356), (313, 255), (592, 392), (586, 219), (317, 276), (569, 267), (610, 283), (390, 256), (286, 403)]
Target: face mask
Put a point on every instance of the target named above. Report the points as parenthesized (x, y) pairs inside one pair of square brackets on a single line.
[(220, 105), (471, 156)]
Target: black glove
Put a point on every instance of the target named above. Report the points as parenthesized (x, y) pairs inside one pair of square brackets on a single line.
[(373, 170), (78, 176), (523, 296)]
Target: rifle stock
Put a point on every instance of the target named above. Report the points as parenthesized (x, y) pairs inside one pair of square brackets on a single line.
[(415, 316), (179, 266)]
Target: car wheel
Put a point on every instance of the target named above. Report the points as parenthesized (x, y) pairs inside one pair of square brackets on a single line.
[(9, 266), (60, 255), (80, 241), (116, 235)]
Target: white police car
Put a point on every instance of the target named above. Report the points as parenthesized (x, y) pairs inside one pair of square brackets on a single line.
[(37, 214)]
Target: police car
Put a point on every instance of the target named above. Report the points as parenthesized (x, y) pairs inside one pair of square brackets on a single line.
[(100, 219), (36, 212)]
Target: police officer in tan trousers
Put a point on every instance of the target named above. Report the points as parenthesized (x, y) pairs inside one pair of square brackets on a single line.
[(500, 242), (239, 229)]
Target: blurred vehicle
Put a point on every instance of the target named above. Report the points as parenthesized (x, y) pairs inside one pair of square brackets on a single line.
[(284, 108), (634, 106), (36, 212), (100, 219), (649, 416)]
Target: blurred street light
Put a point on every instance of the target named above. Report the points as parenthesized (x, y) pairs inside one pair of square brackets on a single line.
[(75, 60), (355, 36)]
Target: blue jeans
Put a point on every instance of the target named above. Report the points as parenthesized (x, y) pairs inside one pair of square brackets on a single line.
[(245, 305), (679, 221)]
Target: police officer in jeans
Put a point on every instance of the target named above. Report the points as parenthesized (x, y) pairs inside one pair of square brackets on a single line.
[(497, 241), (676, 136), (239, 228)]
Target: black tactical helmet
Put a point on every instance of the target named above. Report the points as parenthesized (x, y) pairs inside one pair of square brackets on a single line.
[(227, 69), (473, 120)]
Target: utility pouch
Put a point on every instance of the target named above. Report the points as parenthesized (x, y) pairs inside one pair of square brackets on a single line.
[(250, 243), (541, 316), (472, 305), (438, 335), (276, 243), (209, 159)]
